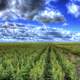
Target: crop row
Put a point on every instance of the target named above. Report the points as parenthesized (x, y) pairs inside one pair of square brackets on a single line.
[(36, 62), (16, 64), (67, 66)]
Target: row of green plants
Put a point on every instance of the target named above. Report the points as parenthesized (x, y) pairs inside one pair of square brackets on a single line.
[(75, 50), (57, 71), (35, 62), (67, 66), (15, 64), (37, 72)]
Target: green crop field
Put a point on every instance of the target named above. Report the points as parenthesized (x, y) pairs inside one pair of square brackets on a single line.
[(39, 61)]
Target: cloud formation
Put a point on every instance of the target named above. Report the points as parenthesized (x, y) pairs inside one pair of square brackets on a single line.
[(27, 8), (73, 9), (34, 33), (49, 15), (33, 10), (4, 4)]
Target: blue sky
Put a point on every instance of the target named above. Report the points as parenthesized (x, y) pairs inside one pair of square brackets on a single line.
[(72, 21), (52, 20), (70, 9)]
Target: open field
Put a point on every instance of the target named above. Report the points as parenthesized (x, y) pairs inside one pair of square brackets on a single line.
[(39, 61)]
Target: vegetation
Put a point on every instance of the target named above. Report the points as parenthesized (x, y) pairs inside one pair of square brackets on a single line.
[(39, 61)]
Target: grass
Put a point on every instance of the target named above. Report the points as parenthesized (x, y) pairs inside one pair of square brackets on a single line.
[(39, 61)]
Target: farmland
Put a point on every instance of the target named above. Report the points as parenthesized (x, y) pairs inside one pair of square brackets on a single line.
[(39, 61)]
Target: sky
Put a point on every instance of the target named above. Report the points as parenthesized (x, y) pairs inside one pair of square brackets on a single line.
[(71, 11), (40, 20), (68, 9)]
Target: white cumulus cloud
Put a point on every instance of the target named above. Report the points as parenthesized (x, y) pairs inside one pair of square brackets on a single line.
[(28, 33), (49, 15), (73, 9)]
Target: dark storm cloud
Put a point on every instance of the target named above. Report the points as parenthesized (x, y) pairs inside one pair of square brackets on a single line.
[(29, 7), (37, 4), (25, 8), (23, 5), (3, 4)]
